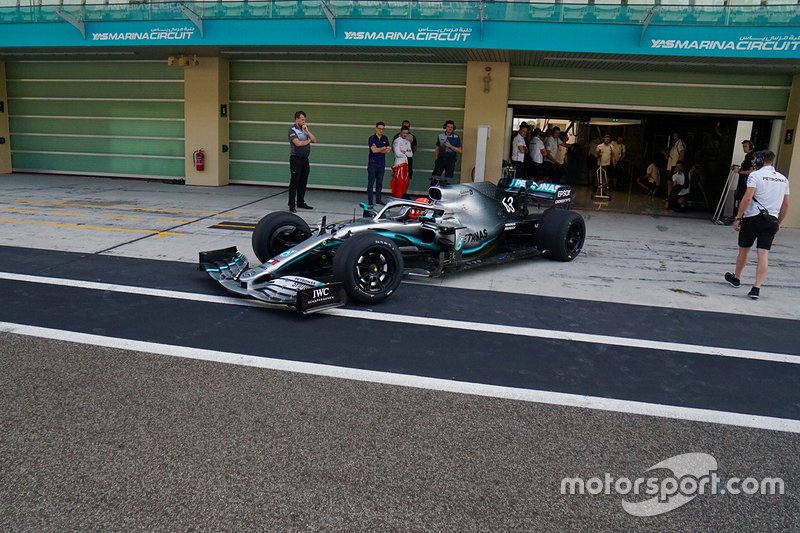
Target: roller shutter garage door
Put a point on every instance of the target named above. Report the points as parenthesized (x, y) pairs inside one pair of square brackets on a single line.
[(698, 93), (343, 101), (115, 118)]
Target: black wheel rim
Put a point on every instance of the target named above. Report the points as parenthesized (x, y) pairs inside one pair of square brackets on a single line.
[(286, 237), (575, 237), (375, 270)]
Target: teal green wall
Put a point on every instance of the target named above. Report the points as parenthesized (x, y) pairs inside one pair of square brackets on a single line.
[(117, 118), (343, 101), (739, 93), (125, 118)]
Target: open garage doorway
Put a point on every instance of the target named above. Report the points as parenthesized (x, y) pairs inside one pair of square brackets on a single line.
[(711, 145)]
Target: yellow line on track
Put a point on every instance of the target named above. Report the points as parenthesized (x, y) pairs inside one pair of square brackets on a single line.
[(15, 210), (158, 234), (121, 207), (233, 226), (68, 214), (122, 217)]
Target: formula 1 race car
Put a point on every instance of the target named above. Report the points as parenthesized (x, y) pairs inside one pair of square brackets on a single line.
[(457, 227)]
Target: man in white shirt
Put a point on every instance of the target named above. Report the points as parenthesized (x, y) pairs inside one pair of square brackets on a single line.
[(551, 143), (677, 151), (651, 180), (518, 149), (677, 189), (538, 152), (605, 157), (761, 212), (619, 149), (402, 152)]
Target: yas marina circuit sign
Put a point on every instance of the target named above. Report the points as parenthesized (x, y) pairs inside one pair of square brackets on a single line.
[(662, 40), (767, 45), (426, 35), (165, 34)]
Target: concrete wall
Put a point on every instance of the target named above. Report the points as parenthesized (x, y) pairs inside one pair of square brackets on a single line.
[(205, 91), (5, 149), (482, 107), (789, 155)]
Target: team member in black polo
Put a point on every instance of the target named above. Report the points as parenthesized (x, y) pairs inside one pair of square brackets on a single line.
[(300, 139), (744, 170), (448, 146), (379, 146)]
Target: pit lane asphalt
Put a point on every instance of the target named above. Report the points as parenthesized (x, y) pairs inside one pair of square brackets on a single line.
[(104, 439), (628, 373), (100, 439)]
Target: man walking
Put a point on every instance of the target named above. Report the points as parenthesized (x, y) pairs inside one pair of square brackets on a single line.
[(300, 139), (448, 146), (413, 140), (761, 211), (376, 164)]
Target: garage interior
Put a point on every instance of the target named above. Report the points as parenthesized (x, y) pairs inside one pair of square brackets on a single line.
[(711, 142)]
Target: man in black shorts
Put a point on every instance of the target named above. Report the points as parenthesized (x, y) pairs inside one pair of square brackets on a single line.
[(761, 212)]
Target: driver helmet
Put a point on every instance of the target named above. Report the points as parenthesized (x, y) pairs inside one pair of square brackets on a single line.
[(415, 213)]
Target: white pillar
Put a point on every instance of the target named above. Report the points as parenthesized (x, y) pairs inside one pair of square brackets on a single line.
[(744, 129), (484, 132)]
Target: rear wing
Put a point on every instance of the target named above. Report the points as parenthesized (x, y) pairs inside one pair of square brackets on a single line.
[(548, 192)]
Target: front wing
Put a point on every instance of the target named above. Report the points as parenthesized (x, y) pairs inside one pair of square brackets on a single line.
[(306, 295)]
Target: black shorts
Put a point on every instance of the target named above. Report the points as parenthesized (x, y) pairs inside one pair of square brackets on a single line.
[(756, 229)]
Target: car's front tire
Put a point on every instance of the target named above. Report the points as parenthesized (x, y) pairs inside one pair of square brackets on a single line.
[(277, 232), (369, 266), (561, 234)]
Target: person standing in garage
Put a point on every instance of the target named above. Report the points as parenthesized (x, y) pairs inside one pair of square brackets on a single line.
[(677, 152), (518, 150)]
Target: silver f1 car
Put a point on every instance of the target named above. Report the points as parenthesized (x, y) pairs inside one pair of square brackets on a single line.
[(457, 227)]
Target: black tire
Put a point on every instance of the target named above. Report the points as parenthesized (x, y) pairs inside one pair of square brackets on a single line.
[(369, 266), (277, 232), (561, 234)]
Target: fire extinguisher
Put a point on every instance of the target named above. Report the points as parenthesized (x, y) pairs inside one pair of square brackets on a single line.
[(199, 160)]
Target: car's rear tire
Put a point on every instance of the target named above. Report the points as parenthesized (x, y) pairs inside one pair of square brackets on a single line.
[(561, 234), (277, 232), (369, 266)]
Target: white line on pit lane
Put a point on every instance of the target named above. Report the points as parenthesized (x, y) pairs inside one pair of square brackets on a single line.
[(403, 380), (549, 334)]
